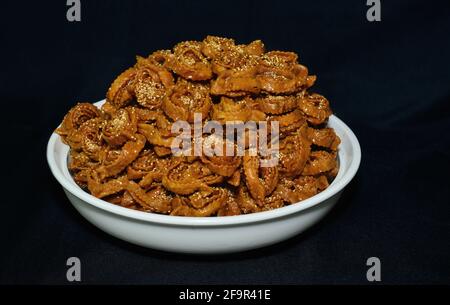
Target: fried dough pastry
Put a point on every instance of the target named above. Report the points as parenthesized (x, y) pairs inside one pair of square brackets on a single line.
[(188, 61), (203, 203), (120, 92), (320, 162), (316, 108), (289, 122), (185, 178), (151, 83), (324, 137), (279, 72), (185, 99), (261, 181), (277, 104), (301, 188), (87, 138), (227, 163), (226, 55), (230, 207), (248, 204), (154, 135), (117, 160), (294, 151), (236, 66), (122, 151), (229, 110), (156, 199), (121, 127), (73, 120), (100, 190)]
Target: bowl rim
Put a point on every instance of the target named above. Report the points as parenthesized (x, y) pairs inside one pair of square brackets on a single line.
[(333, 189)]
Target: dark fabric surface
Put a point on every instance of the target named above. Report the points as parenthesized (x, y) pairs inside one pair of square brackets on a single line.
[(389, 81)]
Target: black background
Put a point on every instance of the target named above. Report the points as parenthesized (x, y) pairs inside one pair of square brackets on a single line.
[(389, 81)]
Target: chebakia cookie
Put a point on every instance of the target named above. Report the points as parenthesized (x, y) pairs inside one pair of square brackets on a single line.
[(124, 152)]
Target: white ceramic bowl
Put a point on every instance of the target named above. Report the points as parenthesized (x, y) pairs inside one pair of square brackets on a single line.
[(213, 234)]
